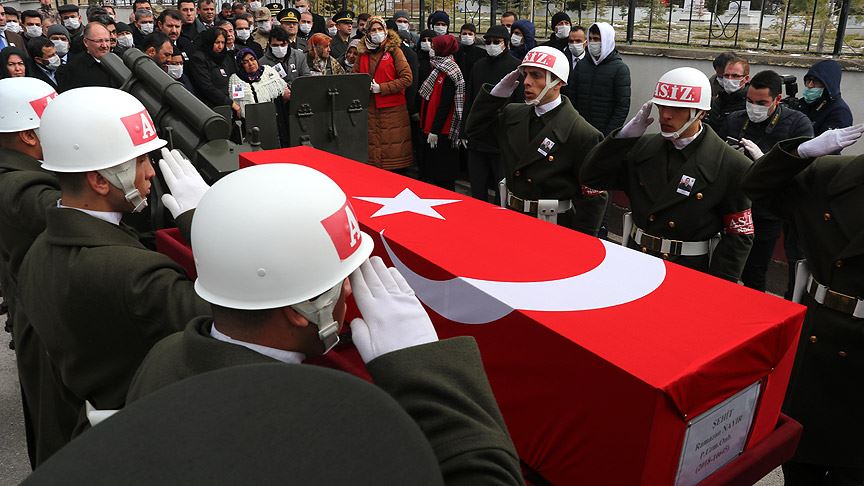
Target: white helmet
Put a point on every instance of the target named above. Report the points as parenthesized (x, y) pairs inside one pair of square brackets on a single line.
[(275, 235), (549, 59), (102, 129), (684, 87), (22, 101)]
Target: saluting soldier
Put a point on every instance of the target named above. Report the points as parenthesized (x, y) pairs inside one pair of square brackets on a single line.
[(684, 183), (542, 142), (95, 296), (823, 196)]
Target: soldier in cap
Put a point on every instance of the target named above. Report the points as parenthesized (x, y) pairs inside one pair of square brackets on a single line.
[(278, 287), (95, 296), (290, 20), (684, 183), (543, 143), (274, 9), (344, 21), (822, 194), (263, 25)]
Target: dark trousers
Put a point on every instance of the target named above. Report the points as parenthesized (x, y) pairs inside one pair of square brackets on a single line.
[(767, 230), (440, 165), (800, 474), (484, 170)]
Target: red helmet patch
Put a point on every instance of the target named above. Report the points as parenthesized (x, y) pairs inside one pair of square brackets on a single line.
[(140, 127), (678, 92), (42, 103), (541, 58), (344, 230)]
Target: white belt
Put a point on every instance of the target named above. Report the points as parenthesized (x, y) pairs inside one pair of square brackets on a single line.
[(668, 247), (532, 206), (835, 300)]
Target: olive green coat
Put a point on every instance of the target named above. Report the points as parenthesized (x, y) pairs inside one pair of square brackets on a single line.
[(99, 300), (824, 198), (531, 174), (638, 166), (441, 385)]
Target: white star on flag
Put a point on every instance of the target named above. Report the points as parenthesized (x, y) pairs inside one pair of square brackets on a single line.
[(407, 202)]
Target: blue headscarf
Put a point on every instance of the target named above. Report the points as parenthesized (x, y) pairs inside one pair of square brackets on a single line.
[(241, 73)]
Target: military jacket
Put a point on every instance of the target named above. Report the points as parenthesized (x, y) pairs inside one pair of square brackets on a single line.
[(824, 199), (709, 202)]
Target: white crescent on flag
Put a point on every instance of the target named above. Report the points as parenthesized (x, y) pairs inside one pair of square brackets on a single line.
[(623, 276)]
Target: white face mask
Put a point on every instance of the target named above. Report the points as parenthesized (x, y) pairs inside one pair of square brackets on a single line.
[(301, 9), (279, 51), (124, 41), (426, 46), (402, 26), (243, 34), (562, 31), (175, 71), (494, 49), (53, 62), (516, 40), (595, 49), (263, 26), (305, 28), (757, 113), (440, 29), (34, 31), (72, 23), (13, 26), (253, 6), (466, 40), (576, 48), (146, 28), (331, 31), (61, 46), (3, 28), (730, 85), (378, 37)]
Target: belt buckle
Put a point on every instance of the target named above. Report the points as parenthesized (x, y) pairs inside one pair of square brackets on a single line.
[(652, 243), (676, 247), (840, 302)]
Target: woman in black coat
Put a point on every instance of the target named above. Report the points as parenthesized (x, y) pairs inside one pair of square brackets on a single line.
[(209, 71)]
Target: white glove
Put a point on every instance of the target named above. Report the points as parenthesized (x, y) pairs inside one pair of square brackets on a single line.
[(638, 124), (752, 149), (830, 142), (185, 183), (375, 87), (393, 317), (432, 140), (507, 85), (463, 142)]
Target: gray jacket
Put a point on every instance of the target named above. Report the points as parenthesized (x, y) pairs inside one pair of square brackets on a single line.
[(293, 64)]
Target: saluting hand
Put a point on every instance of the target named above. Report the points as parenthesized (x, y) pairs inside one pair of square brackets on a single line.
[(638, 124), (507, 85), (185, 183), (830, 142)]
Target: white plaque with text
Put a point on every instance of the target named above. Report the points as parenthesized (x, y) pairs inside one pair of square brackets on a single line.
[(717, 436)]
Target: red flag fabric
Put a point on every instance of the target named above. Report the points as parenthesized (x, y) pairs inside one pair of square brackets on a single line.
[(598, 355)]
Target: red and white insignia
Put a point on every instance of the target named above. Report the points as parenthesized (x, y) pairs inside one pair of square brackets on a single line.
[(344, 230), (740, 223), (42, 103), (540, 58), (140, 127), (678, 92)]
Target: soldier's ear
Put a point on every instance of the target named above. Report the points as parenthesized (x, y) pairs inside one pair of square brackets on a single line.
[(98, 183), (29, 138)]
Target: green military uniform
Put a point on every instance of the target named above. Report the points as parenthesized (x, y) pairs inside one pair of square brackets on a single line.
[(99, 300), (650, 170), (441, 385), (542, 155), (26, 191), (824, 199)]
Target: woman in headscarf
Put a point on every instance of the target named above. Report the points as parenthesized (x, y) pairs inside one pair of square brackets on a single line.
[(208, 70), (443, 96), (379, 56), (255, 83), (15, 63), (318, 57), (522, 38)]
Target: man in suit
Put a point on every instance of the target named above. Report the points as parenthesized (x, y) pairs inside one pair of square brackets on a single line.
[(85, 69), (543, 143), (9, 38), (44, 56)]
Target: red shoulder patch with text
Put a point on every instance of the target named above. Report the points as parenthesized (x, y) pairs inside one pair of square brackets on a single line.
[(740, 223)]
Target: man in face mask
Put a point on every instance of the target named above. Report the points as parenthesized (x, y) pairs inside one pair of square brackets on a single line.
[(243, 33), (44, 55), (761, 125), (263, 26), (71, 20), (289, 63), (143, 26), (821, 100), (470, 51), (59, 36), (684, 183), (734, 92), (306, 24), (318, 22), (560, 33), (576, 45), (439, 22), (32, 21), (542, 142), (9, 30), (403, 24)]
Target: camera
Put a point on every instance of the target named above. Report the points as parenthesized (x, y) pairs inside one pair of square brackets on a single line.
[(790, 88)]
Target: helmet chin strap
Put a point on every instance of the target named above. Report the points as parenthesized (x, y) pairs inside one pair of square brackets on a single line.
[(319, 311), (123, 177), (677, 133), (550, 83)]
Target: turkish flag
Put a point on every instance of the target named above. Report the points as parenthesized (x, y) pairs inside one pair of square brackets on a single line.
[(598, 355)]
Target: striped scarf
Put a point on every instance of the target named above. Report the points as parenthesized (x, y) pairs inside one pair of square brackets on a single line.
[(449, 67)]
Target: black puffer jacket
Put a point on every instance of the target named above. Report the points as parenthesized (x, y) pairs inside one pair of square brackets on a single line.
[(488, 71), (601, 92)]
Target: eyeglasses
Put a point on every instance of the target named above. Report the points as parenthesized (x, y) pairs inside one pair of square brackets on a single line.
[(98, 41), (489, 42), (734, 76)]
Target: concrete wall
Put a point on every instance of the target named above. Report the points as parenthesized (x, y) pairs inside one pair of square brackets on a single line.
[(646, 70)]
